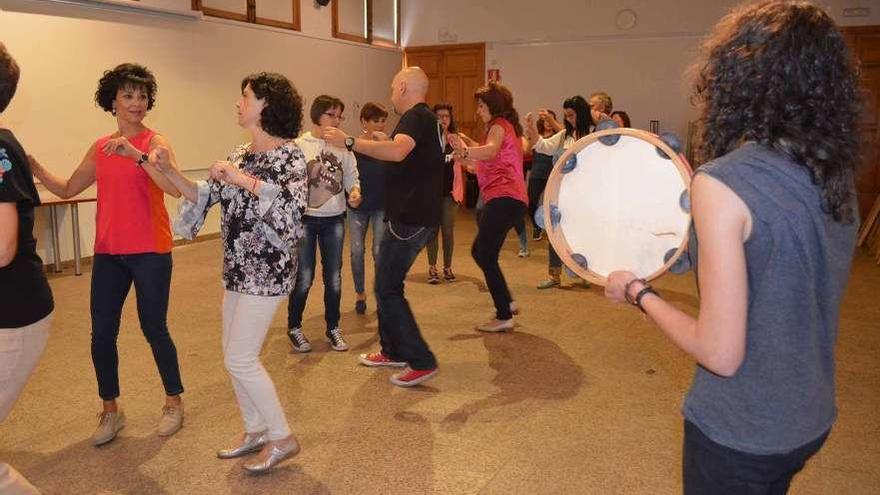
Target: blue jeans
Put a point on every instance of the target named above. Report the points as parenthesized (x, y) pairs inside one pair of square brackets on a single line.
[(358, 223), (112, 276), (326, 234), (399, 334)]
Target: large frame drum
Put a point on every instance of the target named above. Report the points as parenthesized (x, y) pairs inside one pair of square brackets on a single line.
[(619, 199)]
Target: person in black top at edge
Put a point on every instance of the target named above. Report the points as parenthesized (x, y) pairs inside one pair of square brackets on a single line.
[(26, 302), (413, 204)]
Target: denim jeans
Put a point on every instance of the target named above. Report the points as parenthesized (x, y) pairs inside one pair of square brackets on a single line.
[(326, 234), (358, 223), (399, 334), (447, 230), (497, 218), (112, 276), (709, 468)]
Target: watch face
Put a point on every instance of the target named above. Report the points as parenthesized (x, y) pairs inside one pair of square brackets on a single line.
[(349, 142)]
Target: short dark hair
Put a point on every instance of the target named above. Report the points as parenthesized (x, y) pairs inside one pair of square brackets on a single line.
[(323, 103), (125, 76), (9, 73), (448, 107), (282, 115), (373, 111), (499, 100), (623, 116), (765, 71)]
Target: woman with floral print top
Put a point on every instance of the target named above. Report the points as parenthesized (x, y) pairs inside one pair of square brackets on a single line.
[(258, 231), (262, 192)]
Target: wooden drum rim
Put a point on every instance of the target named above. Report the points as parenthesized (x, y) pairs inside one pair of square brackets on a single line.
[(554, 183)]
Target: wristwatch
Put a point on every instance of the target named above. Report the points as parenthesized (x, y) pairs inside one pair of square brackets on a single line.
[(349, 143), (143, 159)]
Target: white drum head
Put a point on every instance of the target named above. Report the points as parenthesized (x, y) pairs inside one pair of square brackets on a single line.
[(620, 206)]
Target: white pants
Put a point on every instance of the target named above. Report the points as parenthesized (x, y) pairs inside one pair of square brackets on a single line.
[(20, 349), (246, 321)]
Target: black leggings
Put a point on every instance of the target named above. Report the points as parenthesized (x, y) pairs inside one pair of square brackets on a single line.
[(498, 216), (536, 195)]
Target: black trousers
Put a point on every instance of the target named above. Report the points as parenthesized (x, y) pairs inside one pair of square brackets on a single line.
[(112, 278), (713, 469), (536, 194), (496, 219)]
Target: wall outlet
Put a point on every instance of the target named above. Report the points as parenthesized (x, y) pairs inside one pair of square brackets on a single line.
[(856, 12)]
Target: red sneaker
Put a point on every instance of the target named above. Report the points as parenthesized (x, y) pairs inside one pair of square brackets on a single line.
[(379, 359), (410, 377)]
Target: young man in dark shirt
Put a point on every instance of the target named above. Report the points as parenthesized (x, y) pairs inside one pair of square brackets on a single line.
[(413, 205)]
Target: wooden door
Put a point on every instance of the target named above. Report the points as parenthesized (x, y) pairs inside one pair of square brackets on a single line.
[(865, 43), (454, 72)]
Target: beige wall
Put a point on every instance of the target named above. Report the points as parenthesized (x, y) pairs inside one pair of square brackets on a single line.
[(63, 50), (550, 50)]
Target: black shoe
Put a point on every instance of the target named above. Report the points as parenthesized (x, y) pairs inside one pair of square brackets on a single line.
[(538, 235), (338, 343), (360, 306), (298, 340)]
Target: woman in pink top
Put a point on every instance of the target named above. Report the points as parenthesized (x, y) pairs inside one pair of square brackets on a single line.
[(500, 177), (132, 241)]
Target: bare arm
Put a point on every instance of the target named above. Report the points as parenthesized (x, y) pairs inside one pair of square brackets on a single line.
[(161, 159), (82, 177), (9, 234), (531, 129), (717, 337), (467, 139), (394, 150), (487, 151), (156, 175)]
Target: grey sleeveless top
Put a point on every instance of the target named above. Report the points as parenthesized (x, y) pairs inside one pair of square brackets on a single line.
[(798, 260)]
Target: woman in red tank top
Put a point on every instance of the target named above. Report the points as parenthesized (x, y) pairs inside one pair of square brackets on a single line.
[(132, 241), (502, 186)]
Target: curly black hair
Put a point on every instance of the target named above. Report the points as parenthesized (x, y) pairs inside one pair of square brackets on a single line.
[(779, 73), (125, 76), (282, 115), (9, 74)]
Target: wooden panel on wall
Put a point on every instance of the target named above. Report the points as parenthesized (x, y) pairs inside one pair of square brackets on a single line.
[(865, 44), (278, 13), (455, 72), (227, 9)]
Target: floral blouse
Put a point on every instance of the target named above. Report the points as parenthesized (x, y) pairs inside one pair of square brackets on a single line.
[(259, 233)]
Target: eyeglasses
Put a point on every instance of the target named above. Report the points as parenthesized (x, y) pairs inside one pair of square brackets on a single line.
[(335, 116)]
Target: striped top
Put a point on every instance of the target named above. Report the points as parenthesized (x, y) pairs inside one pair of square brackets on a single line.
[(131, 217)]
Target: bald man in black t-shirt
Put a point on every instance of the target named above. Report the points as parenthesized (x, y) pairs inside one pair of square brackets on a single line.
[(413, 206)]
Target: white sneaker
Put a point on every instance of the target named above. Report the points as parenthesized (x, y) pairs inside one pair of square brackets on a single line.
[(109, 424), (496, 325)]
